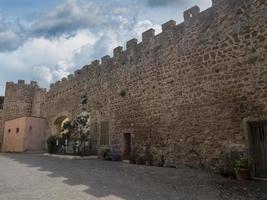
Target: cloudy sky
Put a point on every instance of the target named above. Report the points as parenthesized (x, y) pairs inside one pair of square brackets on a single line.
[(44, 40)]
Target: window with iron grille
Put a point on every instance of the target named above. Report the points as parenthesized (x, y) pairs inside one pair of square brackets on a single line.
[(104, 133)]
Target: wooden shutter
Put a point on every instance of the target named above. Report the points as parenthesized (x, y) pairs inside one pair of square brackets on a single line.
[(104, 133)]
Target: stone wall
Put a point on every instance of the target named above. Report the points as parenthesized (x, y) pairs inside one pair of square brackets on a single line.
[(187, 89), (184, 91), (21, 99), (1, 129)]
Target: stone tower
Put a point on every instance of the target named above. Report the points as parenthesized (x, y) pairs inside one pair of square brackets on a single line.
[(21, 99)]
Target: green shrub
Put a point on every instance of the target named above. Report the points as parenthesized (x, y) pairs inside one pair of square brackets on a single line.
[(140, 159), (148, 154), (105, 153), (242, 163)]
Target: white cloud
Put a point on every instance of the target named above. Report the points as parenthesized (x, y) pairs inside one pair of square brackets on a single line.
[(51, 57), (43, 74), (73, 34), (9, 38), (144, 25), (69, 17)]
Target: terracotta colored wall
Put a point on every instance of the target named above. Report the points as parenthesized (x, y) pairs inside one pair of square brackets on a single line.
[(27, 138), (13, 142), (34, 134)]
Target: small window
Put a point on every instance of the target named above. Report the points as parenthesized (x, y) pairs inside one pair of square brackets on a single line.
[(9, 130), (30, 128), (17, 130)]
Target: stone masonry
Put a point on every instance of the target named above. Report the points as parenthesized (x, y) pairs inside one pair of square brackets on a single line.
[(185, 91)]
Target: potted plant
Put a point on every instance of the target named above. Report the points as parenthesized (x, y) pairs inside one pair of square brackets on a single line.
[(133, 157), (148, 157), (115, 155), (241, 166), (105, 154), (140, 159)]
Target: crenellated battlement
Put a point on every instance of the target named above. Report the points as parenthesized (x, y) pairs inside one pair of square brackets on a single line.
[(122, 56), (131, 44), (31, 84), (191, 13), (170, 25), (105, 60), (148, 35), (133, 51)]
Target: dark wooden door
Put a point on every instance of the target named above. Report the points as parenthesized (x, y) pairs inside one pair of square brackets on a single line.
[(127, 145), (259, 141)]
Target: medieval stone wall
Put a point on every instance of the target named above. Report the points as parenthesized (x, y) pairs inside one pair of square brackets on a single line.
[(1, 128), (184, 91), (21, 99)]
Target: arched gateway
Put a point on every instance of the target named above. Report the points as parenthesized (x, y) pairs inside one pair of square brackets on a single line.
[(58, 122)]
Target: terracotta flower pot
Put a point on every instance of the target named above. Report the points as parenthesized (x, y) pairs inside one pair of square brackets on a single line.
[(242, 174)]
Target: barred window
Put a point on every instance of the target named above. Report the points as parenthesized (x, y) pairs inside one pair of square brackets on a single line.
[(104, 133)]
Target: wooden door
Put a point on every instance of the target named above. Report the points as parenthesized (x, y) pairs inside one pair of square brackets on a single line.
[(127, 145), (259, 142)]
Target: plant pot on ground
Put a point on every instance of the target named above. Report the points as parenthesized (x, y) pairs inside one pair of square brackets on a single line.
[(242, 174), (148, 156), (132, 158), (140, 159), (149, 159), (105, 154), (116, 157), (241, 166)]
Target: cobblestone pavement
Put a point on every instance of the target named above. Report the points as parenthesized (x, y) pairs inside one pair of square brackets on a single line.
[(36, 177)]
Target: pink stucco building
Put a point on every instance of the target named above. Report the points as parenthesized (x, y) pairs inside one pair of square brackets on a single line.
[(24, 134)]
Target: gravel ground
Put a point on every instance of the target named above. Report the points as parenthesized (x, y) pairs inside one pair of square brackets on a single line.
[(36, 177)]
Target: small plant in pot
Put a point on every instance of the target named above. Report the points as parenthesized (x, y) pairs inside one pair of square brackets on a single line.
[(115, 153), (133, 157), (241, 166), (140, 159), (148, 158), (105, 153)]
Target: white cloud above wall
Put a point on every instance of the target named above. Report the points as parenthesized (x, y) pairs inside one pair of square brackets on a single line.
[(72, 34)]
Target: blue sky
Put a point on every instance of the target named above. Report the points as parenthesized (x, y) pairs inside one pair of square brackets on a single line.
[(45, 40)]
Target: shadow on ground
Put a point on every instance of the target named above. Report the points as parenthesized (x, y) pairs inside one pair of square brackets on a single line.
[(132, 182)]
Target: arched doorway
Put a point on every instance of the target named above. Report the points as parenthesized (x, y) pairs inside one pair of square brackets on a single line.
[(58, 125)]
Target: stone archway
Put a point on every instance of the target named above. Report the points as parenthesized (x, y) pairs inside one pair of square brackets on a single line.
[(58, 122)]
